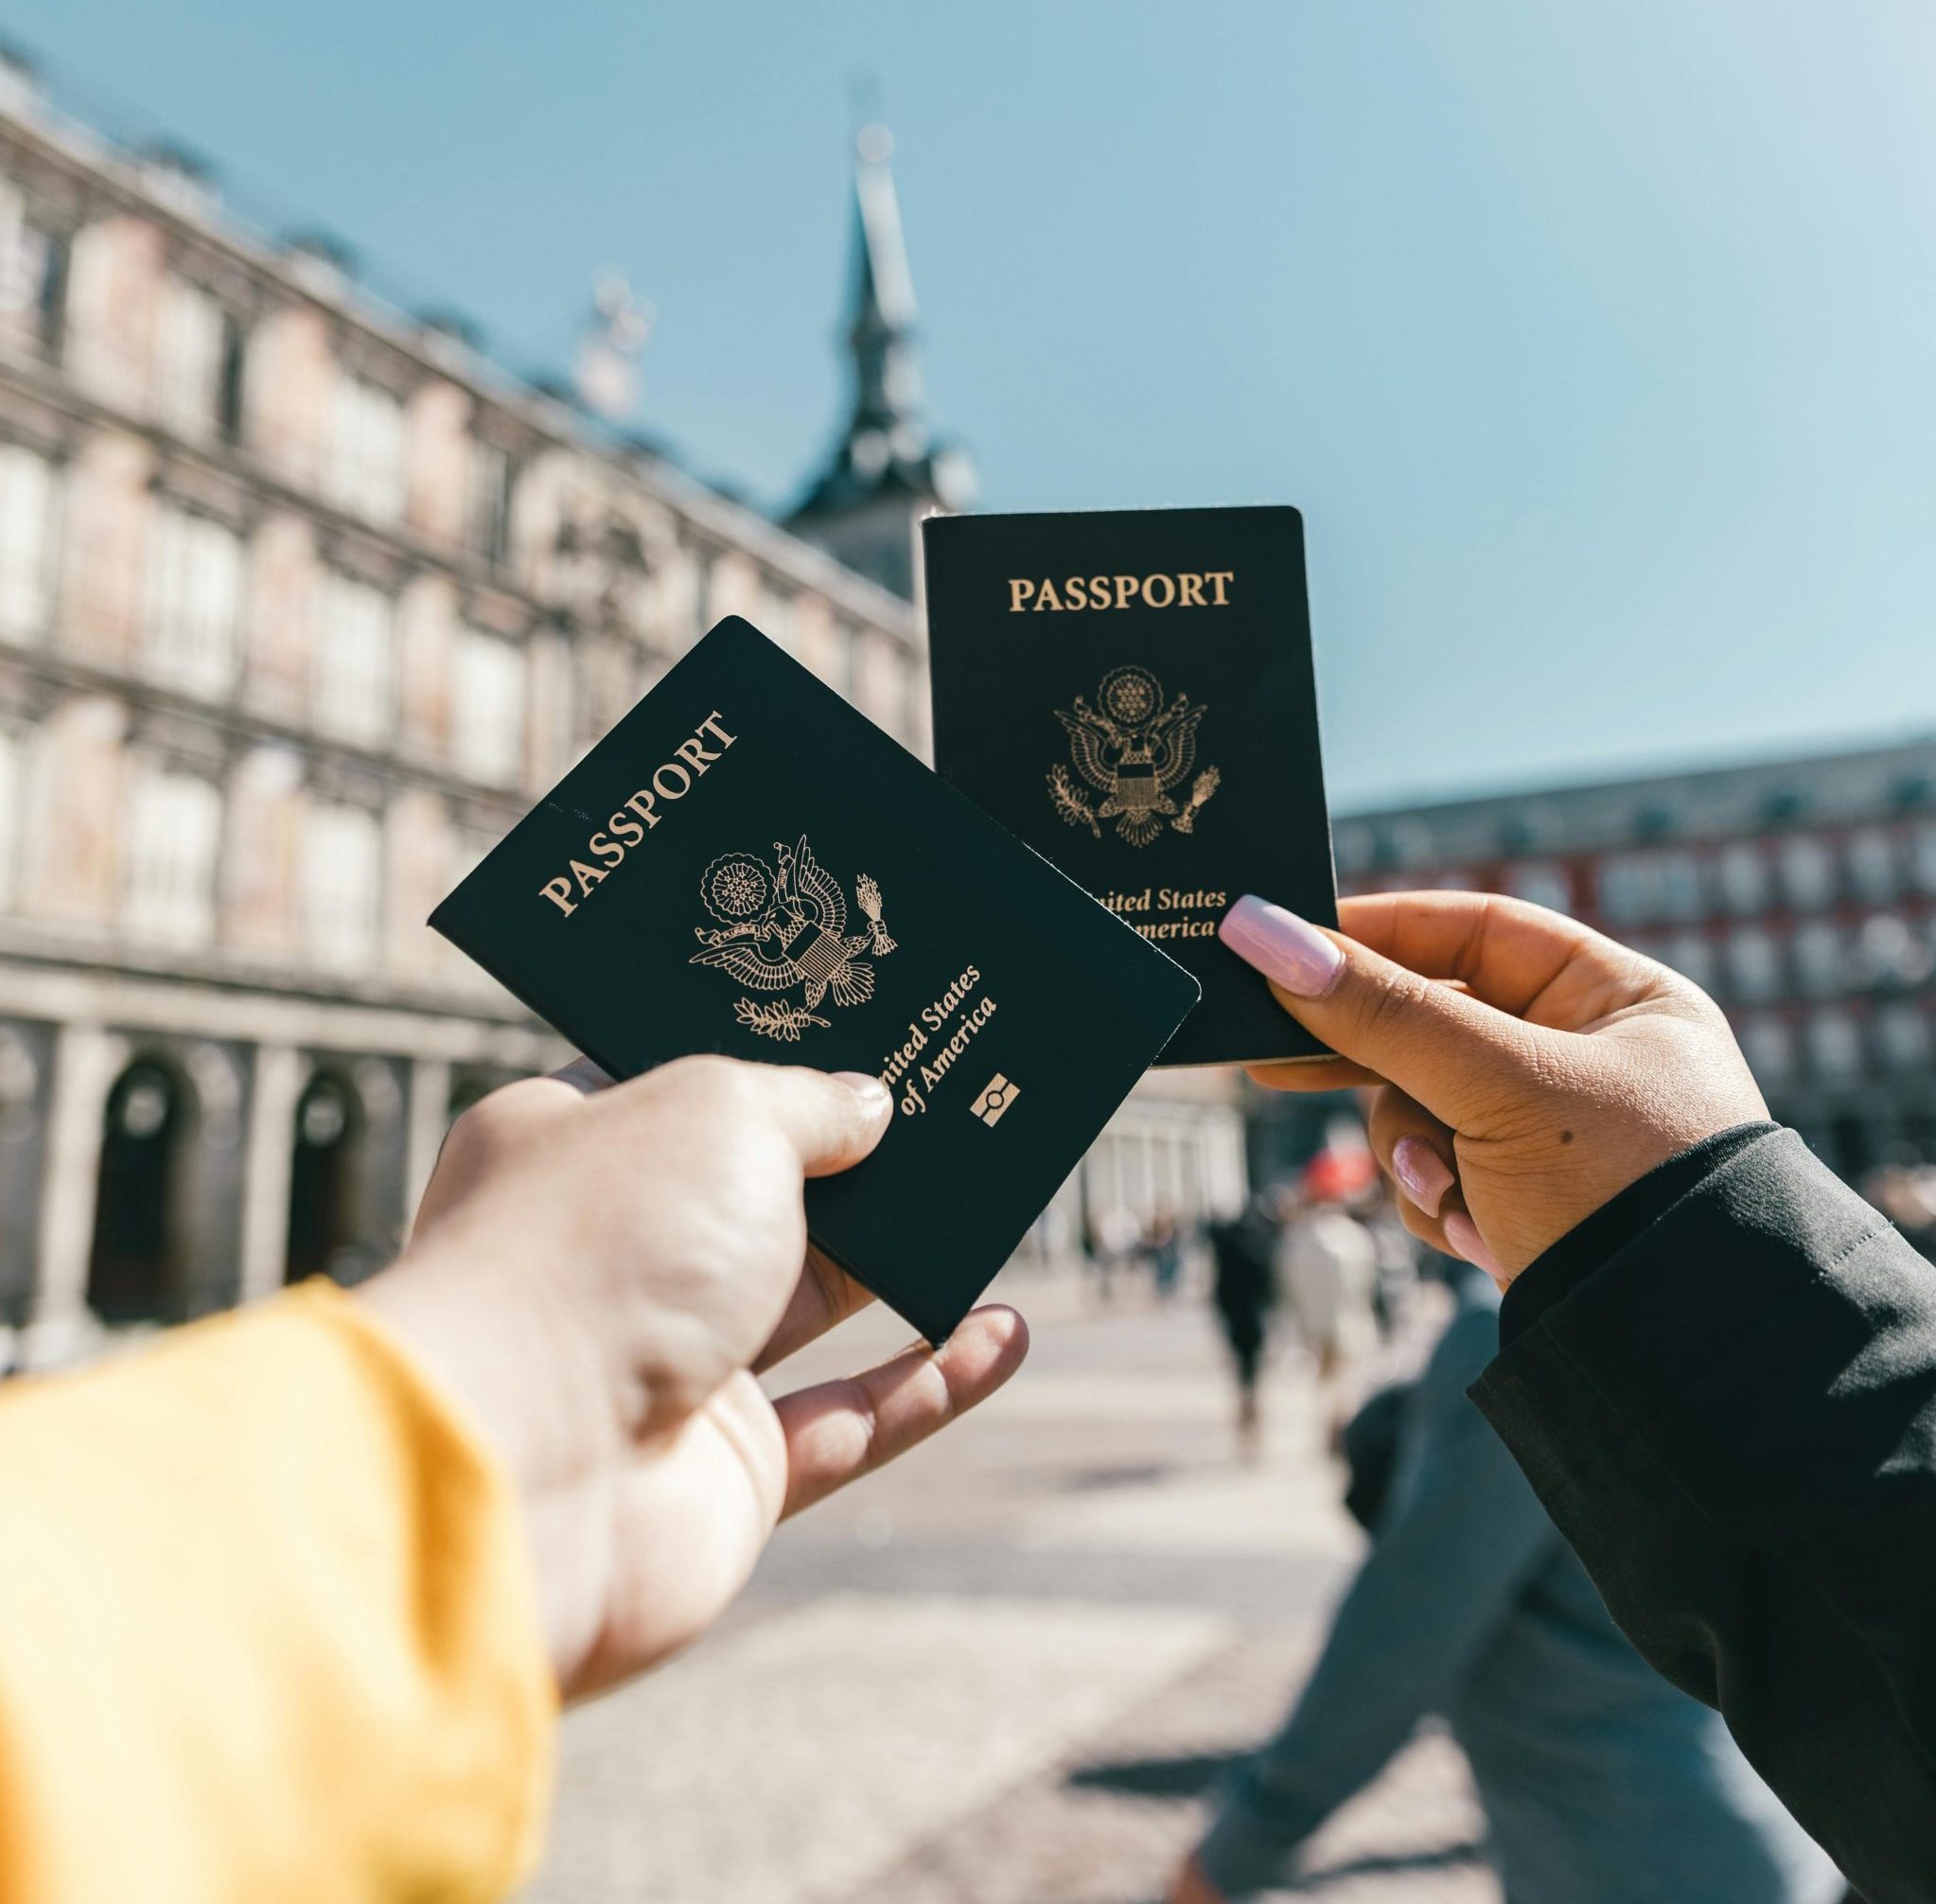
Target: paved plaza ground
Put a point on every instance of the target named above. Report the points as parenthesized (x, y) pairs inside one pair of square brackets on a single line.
[(1011, 1670)]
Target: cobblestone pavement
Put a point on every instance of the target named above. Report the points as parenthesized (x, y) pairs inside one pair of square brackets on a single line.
[(1011, 1669)]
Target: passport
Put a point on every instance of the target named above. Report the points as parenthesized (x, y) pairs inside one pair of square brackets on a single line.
[(747, 864), (1131, 693)]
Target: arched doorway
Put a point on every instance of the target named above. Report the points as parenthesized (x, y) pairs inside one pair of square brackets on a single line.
[(135, 1270), (327, 1189)]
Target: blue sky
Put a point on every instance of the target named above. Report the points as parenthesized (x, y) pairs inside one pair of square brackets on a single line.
[(1595, 341)]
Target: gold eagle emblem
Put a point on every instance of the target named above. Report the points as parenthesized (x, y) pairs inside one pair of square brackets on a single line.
[(1135, 749), (783, 927)]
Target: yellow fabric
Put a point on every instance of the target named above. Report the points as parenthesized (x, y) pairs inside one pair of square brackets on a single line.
[(267, 1629)]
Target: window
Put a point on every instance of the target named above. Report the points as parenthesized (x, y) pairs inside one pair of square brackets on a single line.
[(174, 832), (1890, 953), (487, 529), (1352, 844), (489, 712), (1741, 874), (1754, 962), (1807, 872), (1834, 1045), (1692, 957), (1680, 893), (27, 511), (194, 597), (198, 363), (12, 803), (352, 660), (342, 860), (1923, 857), (34, 276), (1768, 1048), (773, 613), (1872, 870), (1901, 1037), (1821, 966), (1630, 887), (366, 450), (1543, 885)]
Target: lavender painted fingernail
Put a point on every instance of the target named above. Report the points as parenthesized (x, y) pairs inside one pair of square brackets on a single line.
[(1463, 1234), (1282, 947), (1423, 1173)]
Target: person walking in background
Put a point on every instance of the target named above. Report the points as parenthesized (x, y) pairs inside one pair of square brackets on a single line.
[(1111, 1236), (1243, 1255), (1395, 1284), (1327, 1265), (1163, 1245), (1601, 1783)]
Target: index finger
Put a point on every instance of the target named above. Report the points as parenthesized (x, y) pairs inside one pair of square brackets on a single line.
[(1513, 955)]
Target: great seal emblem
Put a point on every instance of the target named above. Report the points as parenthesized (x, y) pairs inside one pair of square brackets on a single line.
[(1134, 747), (784, 926)]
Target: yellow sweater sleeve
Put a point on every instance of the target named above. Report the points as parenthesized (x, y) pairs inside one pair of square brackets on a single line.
[(267, 1629)]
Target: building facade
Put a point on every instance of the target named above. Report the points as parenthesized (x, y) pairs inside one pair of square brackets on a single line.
[(1799, 893), (302, 601)]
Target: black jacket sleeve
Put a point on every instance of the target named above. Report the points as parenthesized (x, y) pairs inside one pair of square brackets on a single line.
[(1729, 1408)]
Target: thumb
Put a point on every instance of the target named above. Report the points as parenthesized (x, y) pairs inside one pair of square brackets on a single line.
[(1452, 1053), (834, 1118)]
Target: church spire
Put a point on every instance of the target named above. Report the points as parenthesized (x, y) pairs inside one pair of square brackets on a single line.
[(885, 472), (881, 335)]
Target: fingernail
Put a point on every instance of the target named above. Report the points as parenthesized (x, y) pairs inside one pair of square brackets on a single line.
[(1423, 1172), (1463, 1234), (1282, 947), (875, 1099)]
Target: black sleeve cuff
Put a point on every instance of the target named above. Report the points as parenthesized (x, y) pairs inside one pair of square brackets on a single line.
[(1594, 1241)]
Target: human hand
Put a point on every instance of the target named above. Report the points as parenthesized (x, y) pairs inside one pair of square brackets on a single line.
[(1524, 1068), (597, 1273)]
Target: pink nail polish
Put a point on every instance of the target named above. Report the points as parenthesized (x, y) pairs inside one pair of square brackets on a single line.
[(1282, 947), (1423, 1173), (1463, 1234)]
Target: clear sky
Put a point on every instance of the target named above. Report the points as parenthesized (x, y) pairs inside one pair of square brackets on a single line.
[(1597, 341)]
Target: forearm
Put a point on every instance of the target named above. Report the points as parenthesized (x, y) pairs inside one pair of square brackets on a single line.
[(266, 1629), (1732, 1419)]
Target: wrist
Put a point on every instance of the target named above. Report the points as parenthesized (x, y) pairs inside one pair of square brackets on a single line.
[(535, 1384)]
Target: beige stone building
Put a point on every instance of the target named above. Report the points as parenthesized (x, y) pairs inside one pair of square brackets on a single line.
[(301, 602)]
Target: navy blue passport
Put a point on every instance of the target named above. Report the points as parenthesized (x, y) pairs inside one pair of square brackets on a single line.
[(746, 865), (1129, 691)]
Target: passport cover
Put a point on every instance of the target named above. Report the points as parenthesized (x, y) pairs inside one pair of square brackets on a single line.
[(1130, 692), (746, 865)]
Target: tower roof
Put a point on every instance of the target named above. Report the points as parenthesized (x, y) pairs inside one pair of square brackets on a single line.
[(885, 448)]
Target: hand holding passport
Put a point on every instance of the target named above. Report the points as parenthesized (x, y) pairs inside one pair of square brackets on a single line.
[(745, 865)]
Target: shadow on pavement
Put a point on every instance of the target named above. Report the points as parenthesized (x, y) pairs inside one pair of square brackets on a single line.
[(1388, 1864), (1188, 1775)]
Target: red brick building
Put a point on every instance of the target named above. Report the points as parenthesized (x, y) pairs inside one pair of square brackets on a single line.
[(1800, 893)]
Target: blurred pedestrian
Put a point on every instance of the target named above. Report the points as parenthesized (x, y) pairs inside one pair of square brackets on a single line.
[(1601, 1783), (1244, 1253), (1395, 1251), (1163, 1247), (1327, 1265), (1113, 1234)]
